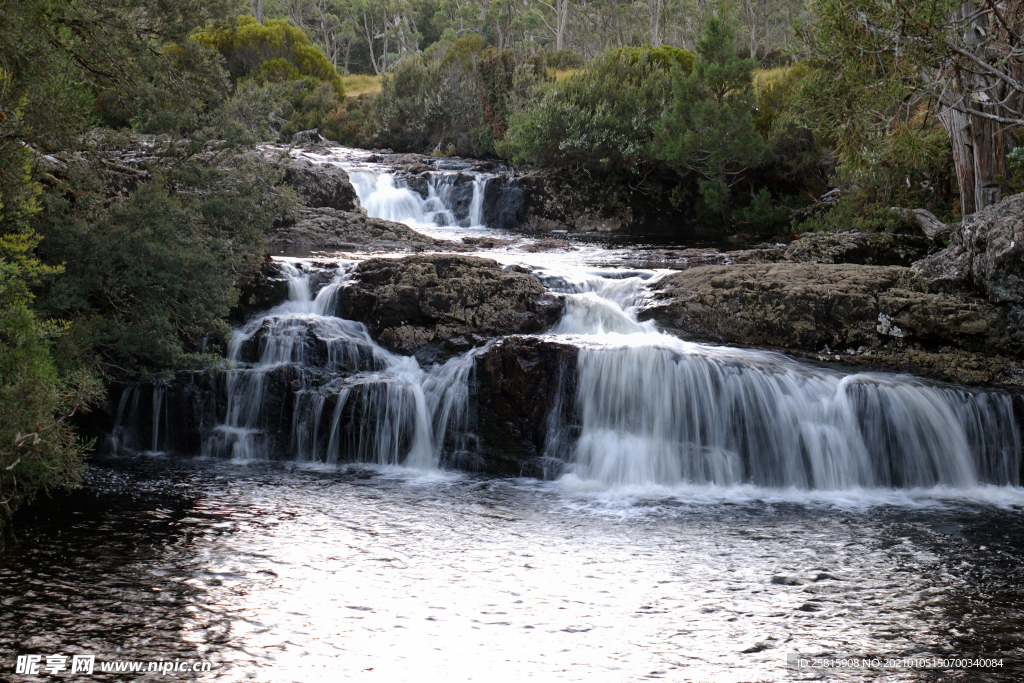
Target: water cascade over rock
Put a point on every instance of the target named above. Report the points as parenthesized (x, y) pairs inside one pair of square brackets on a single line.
[(444, 199), (562, 377), (318, 387), (653, 409)]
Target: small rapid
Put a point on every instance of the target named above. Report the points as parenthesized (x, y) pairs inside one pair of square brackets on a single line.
[(353, 399), (656, 410)]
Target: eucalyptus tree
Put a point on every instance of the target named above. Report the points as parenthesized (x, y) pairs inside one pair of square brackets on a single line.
[(885, 68)]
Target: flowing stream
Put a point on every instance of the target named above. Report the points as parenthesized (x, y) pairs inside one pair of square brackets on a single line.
[(715, 509)]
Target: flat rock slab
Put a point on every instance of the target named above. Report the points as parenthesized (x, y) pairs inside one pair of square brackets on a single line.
[(416, 301), (844, 312), (354, 231)]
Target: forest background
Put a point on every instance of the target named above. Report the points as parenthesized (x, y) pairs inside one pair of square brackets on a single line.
[(133, 210)]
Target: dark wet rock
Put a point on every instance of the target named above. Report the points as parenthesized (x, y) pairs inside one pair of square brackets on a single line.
[(415, 301), (599, 202), (546, 245), (266, 289), (867, 248), (538, 224), (985, 254), (524, 385), (314, 346), (683, 258), (352, 231), (321, 185), (309, 138), (487, 242), (457, 191), (417, 183), (504, 204), (403, 160), (883, 316), (760, 254)]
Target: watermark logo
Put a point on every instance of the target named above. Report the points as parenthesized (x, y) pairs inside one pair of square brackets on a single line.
[(59, 664)]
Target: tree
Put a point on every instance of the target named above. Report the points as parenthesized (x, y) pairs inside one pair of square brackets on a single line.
[(709, 128), (248, 46), (885, 68), (38, 448)]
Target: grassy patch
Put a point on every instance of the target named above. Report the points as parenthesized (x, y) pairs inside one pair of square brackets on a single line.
[(360, 84), (763, 77)]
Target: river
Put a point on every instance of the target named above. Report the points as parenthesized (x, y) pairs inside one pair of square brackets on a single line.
[(716, 512)]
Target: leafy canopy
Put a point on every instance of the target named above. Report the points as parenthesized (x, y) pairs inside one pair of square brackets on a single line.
[(272, 49)]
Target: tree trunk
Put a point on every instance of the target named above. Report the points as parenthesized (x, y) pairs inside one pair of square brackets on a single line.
[(958, 128), (257, 10)]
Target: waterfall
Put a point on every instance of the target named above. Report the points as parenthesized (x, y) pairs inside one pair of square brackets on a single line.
[(476, 204), (159, 389), (447, 202), (350, 397), (653, 409)]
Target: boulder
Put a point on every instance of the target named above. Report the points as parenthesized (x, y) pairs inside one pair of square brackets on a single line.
[(504, 203), (308, 138), (353, 231), (854, 246), (416, 301), (321, 185), (524, 385), (985, 254), (845, 312)]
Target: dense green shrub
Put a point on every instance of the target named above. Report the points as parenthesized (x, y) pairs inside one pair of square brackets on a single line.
[(248, 47), (314, 104), (603, 116), (709, 129), (185, 92), (148, 276), (560, 60), (425, 105), (38, 448)]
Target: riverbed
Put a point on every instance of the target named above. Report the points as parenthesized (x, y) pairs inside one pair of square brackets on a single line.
[(277, 572)]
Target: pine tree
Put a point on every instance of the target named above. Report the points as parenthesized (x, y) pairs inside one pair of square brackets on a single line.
[(709, 128)]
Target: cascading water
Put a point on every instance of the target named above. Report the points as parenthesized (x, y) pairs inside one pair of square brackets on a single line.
[(657, 410), (384, 196), (649, 408), (383, 408)]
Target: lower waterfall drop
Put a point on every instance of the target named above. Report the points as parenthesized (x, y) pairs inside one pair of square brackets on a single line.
[(349, 394), (655, 410)]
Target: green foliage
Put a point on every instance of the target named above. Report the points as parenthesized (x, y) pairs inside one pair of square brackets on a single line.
[(463, 52), (184, 93), (763, 213), (425, 106), (497, 76), (603, 116), (856, 211), (1015, 170), (709, 128), (38, 449), (664, 56), (248, 46), (314, 104), (148, 276), (559, 60)]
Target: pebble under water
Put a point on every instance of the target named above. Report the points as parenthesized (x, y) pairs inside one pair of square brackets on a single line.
[(283, 572)]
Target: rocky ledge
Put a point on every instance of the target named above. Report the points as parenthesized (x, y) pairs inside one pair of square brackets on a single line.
[(326, 228), (445, 300), (884, 317)]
